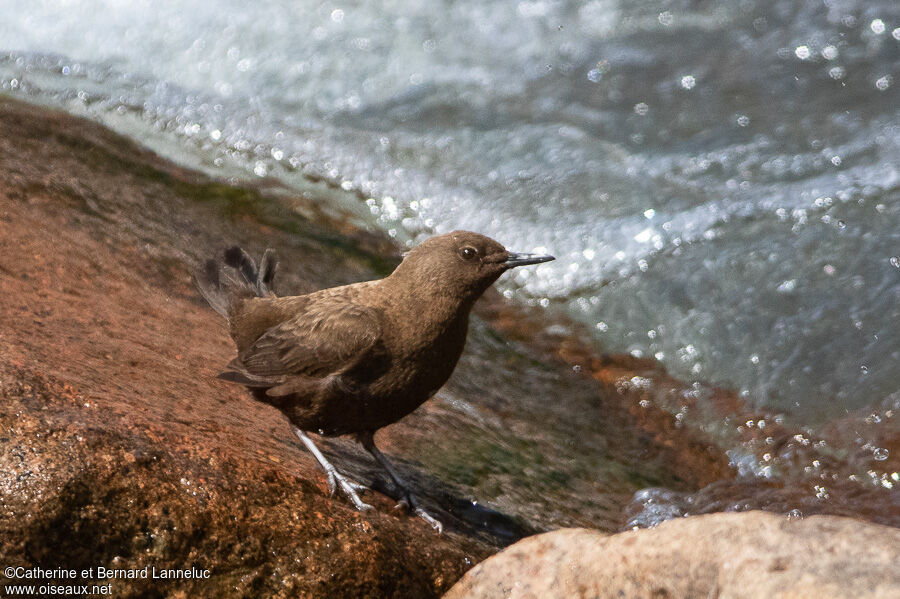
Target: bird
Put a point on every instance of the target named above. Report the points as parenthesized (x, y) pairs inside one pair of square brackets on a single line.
[(352, 359)]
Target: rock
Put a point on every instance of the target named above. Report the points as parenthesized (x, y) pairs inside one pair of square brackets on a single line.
[(747, 555), (118, 446)]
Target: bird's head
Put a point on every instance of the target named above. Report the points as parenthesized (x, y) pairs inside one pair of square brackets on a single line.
[(461, 264)]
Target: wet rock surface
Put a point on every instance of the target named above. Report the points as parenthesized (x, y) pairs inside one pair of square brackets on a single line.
[(748, 555), (120, 448)]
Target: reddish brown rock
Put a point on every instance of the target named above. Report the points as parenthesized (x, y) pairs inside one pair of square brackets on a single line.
[(97, 241), (118, 446), (728, 556)]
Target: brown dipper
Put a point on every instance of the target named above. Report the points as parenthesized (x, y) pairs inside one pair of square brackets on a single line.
[(352, 359)]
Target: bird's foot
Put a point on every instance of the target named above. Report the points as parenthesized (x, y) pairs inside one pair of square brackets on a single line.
[(431, 520), (409, 502), (348, 487), (334, 478)]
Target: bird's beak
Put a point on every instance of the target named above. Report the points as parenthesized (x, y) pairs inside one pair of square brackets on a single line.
[(515, 259)]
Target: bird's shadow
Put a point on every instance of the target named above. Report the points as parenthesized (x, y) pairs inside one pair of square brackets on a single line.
[(457, 513)]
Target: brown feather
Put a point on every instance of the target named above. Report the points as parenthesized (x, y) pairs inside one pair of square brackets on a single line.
[(356, 358)]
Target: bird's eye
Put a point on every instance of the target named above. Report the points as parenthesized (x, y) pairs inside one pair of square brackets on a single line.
[(468, 253)]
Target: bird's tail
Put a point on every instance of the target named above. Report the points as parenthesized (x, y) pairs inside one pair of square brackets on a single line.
[(226, 280)]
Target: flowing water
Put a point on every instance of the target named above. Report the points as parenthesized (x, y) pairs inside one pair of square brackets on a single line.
[(720, 181)]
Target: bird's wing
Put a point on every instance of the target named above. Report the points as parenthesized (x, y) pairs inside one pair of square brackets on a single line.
[(329, 337)]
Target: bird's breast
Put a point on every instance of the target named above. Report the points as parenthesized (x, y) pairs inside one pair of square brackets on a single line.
[(418, 369)]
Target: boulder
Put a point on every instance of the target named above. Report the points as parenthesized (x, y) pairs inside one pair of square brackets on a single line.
[(728, 556)]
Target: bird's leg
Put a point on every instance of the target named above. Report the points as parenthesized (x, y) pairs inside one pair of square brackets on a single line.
[(368, 442), (335, 479)]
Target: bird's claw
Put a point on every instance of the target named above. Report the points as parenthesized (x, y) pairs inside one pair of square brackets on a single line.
[(335, 479), (408, 503), (431, 520)]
